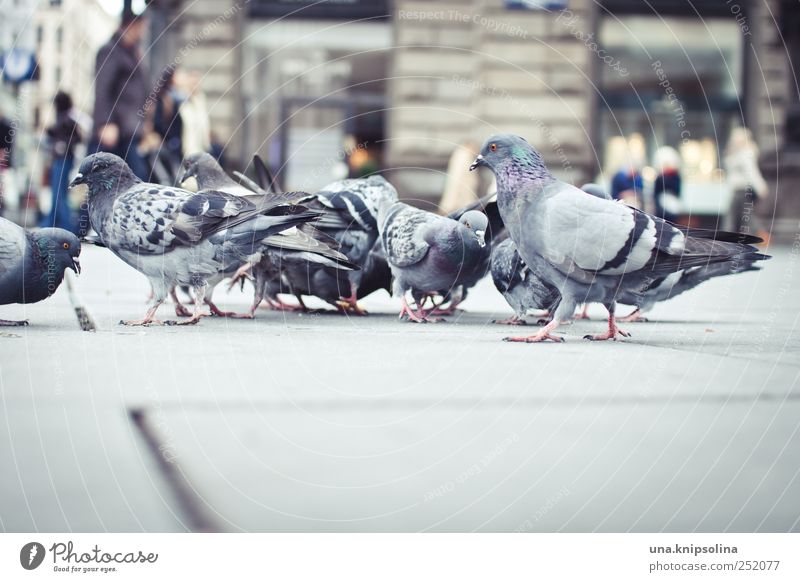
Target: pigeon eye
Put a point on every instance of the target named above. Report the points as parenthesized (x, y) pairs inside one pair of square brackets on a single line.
[(65, 245), (493, 147)]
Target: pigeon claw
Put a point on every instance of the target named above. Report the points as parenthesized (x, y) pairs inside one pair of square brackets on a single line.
[(609, 335), (181, 311)]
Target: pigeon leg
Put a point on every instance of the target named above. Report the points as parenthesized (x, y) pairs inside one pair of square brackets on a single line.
[(613, 330), (180, 309), (160, 290), (424, 314), (406, 310), (633, 317), (564, 310), (350, 304), (149, 317), (9, 323), (544, 334), (216, 311), (514, 320), (456, 299), (199, 300), (240, 275)]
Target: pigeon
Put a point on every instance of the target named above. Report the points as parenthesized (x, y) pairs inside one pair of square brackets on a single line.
[(32, 263), (350, 215), (201, 171), (520, 285), (495, 231), (592, 248), (173, 236), (430, 254), (309, 262)]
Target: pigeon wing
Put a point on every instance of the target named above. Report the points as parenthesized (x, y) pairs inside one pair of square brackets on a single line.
[(403, 234), (12, 245)]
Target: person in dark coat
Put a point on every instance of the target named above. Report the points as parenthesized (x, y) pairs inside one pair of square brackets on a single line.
[(62, 137), (167, 126), (121, 94)]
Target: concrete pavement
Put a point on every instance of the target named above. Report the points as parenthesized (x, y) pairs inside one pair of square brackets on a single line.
[(325, 423)]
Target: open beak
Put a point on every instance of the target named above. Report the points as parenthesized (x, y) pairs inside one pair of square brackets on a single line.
[(479, 161), (481, 236), (76, 265)]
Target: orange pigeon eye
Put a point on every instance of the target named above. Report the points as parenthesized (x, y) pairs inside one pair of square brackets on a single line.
[(65, 245), (493, 147)]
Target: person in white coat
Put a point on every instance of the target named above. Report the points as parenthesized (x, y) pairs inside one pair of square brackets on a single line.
[(745, 180)]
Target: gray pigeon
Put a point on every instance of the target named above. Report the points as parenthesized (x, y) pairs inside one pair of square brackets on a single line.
[(176, 237), (202, 171), (32, 264), (521, 286), (592, 248), (430, 254), (495, 232), (350, 215), (308, 262)]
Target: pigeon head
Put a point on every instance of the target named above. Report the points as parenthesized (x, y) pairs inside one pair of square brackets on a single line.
[(199, 171), (477, 223), (104, 172), (506, 154), (59, 248)]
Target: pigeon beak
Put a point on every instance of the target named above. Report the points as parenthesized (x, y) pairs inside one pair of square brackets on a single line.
[(479, 161), (76, 265), (77, 180), (189, 183), (481, 236)]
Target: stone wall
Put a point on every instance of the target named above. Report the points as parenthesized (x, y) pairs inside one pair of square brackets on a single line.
[(205, 37), (464, 69)]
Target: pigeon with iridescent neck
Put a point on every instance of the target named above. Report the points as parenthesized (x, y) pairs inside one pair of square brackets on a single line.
[(592, 248)]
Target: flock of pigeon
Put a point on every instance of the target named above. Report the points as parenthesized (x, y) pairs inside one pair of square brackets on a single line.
[(548, 245)]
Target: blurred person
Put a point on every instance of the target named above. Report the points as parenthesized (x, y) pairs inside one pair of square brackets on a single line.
[(627, 185), (62, 138), (667, 186), (121, 94), (164, 144), (6, 142), (745, 180), (625, 158), (461, 185), (196, 128)]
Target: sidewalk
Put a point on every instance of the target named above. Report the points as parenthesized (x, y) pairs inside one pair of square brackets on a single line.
[(326, 423)]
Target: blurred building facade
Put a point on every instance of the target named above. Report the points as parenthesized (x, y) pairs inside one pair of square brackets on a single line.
[(325, 89)]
